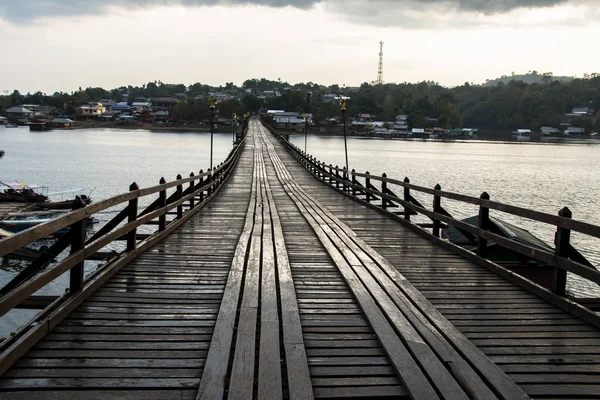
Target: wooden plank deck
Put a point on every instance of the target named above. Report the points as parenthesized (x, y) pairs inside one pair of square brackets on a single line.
[(145, 333), (282, 288), (547, 351)]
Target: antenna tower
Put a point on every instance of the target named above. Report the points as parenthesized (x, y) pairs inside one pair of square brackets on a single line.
[(379, 80)]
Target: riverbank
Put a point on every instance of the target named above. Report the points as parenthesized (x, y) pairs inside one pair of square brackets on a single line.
[(144, 126)]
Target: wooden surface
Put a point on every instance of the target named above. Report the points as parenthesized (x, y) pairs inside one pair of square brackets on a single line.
[(283, 288), (547, 351)]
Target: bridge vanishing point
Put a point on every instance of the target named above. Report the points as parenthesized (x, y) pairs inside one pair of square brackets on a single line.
[(270, 284)]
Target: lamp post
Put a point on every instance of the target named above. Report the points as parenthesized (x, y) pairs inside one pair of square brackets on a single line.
[(305, 131), (343, 109), (212, 101), (234, 125)]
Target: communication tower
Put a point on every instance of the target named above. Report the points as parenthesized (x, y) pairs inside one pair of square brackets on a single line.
[(379, 80)]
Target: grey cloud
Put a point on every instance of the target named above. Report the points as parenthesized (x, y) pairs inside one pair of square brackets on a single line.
[(22, 10)]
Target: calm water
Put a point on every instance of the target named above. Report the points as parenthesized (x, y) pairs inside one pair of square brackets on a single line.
[(544, 177)]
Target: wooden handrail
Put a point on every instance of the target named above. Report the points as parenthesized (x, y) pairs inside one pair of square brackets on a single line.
[(76, 218), (563, 222)]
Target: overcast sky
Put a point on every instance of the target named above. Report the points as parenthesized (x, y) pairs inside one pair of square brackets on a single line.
[(60, 45)]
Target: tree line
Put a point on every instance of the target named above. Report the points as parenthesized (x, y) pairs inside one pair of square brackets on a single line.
[(505, 105)]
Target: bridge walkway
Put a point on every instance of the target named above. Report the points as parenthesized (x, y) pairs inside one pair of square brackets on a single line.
[(282, 288), (549, 352)]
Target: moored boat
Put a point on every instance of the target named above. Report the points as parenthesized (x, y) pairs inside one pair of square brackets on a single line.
[(20, 193)]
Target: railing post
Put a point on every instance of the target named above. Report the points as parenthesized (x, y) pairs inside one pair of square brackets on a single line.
[(406, 199), (437, 205), (383, 191), (562, 240), (179, 196), (337, 177), (345, 181), (330, 174), (192, 191), (367, 184), (209, 180), (162, 196), (201, 183), (353, 182), (132, 211), (484, 225), (77, 243)]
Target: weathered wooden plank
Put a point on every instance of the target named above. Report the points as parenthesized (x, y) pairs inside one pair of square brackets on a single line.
[(157, 394)]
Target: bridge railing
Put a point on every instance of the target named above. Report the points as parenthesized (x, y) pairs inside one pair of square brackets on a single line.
[(188, 196), (361, 186)]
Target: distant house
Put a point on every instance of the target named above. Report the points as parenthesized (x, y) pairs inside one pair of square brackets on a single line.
[(162, 115), (547, 130), (32, 107), (121, 107), (580, 111), (110, 115), (140, 106), (61, 123), (91, 110), (107, 103), (572, 131), (366, 117), (180, 96), (19, 113), (163, 103)]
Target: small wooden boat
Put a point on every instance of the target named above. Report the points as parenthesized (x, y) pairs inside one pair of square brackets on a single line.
[(20, 193), (13, 226), (11, 126), (2, 153)]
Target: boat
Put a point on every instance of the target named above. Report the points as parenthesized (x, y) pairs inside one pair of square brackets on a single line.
[(516, 262), (65, 200), (39, 126), (13, 226), (11, 126), (522, 135), (20, 193), (2, 153)]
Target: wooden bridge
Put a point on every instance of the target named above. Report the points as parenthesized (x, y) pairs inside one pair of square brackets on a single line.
[(263, 282)]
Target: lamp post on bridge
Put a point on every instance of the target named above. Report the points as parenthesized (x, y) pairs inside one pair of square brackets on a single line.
[(234, 125), (305, 131), (212, 102), (343, 110)]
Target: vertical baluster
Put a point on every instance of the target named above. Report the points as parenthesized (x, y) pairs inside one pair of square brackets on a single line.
[(77, 243), (406, 199), (179, 196), (132, 211), (367, 185), (345, 181), (337, 177), (192, 191), (201, 183), (562, 240), (330, 174), (383, 191), (484, 225), (162, 220), (353, 182), (437, 208)]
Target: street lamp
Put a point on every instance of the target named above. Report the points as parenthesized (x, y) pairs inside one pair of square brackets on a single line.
[(343, 109), (234, 125), (305, 131), (212, 102)]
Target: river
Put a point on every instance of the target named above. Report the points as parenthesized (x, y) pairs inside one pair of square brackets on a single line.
[(544, 177)]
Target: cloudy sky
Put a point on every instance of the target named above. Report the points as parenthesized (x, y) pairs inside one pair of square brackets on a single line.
[(52, 45)]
